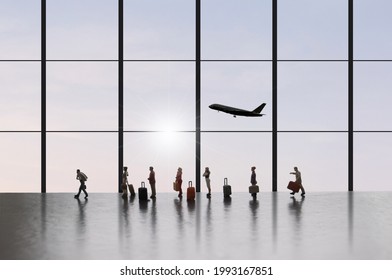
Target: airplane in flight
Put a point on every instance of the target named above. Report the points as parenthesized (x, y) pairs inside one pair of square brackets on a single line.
[(239, 112)]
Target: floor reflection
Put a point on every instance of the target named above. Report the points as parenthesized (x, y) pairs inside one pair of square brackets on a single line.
[(272, 226)]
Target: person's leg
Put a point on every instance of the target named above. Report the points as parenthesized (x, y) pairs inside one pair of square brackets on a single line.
[(302, 190), (179, 186), (153, 191), (80, 190)]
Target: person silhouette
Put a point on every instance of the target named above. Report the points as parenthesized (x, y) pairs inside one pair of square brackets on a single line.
[(253, 176), (253, 180), (151, 180), (208, 181), (298, 180), (82, 178), (124, 182), (179, 181)]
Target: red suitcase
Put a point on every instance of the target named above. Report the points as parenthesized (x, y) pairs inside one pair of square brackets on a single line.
[(293, 186), (190, 192)]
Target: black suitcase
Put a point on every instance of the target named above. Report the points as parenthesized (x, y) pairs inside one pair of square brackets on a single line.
[(226, 188), (143, 192)]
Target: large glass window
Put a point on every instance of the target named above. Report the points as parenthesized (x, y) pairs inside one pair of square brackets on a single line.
[(20, 29), (82, 29), (165, 151), (155, 29), (373, 99), (244, 85), (312, 96), (236, 29), (231, 155), (20, 162), (372, 22), (93, 153), (312, 29), (82, 96), (373, 161), (20, 94), (82, 83), (159, 96), (320, 157)]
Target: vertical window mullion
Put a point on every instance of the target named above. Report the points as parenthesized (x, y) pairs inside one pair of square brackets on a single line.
[(43, 96), (350, 95), (120, 91), (198, 94)]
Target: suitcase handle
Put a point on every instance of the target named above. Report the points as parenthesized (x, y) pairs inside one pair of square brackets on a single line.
[(225, 181), (189, 184), (143, 185)]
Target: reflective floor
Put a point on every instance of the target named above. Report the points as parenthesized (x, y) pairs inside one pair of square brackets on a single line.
[(275, 226)]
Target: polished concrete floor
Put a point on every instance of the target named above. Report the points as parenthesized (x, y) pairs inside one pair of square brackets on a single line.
[(275, 226)]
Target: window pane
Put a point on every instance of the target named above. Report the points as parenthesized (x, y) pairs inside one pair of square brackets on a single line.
[(95, 154), (236, 29), (82, 29), (312, 96), (373, 97), (373, 161), (372, 27), (20, 98), (20, 162), (231, 155), (165, 151), (82, 96), (156, 29), (20, 29), (159, 96), (322, 159), (312, 29), (236, 84)]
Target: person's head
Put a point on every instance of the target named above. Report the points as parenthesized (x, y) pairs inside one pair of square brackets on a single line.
[(179, 169), (295, 168), (207, 169), (253, 168), (125, 168), (78, 171), (151, 168)]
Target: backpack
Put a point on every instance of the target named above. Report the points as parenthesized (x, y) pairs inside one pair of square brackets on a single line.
[(84, 176)]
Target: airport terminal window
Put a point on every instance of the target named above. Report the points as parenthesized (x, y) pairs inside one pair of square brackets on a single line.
[(82, 96), (373, 85), (231, 155), (159, 96), (372, 26), (20, 23), (373, 159), (82, 29), (20, 162), (94, 153), (321, 158), (160, 30), (20, 106), (312, 29), (312, 96), (236, 29), (160, 54), (165, 151), (239, 84)]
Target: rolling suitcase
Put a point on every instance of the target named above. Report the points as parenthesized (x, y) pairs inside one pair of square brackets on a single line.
[(226, 188), (190, 192), (293, 186), (131, 190), (143, 192)]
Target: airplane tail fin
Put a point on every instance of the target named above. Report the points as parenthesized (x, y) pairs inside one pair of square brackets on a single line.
[(259, 109)]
